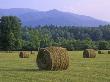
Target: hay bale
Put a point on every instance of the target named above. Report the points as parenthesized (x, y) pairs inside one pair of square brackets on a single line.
[(108, 52), (23, 54), (100, 52), (89, 53), (52, 58), (103, 52)]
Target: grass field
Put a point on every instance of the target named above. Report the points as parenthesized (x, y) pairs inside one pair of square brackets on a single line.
[(15, 69)]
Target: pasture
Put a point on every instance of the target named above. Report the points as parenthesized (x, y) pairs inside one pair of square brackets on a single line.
[(15, 69)]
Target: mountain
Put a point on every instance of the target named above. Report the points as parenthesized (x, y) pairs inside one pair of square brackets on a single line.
[(55, 17)]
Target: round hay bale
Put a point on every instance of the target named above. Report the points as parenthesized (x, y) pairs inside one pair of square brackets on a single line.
[(108, 52), (89, 53), (101, 52), (23, 54), (52, 58)]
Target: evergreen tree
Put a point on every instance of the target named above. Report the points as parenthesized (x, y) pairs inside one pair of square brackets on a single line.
[(10, 33)]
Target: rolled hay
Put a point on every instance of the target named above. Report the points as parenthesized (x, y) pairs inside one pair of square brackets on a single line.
[(102, 52), (23, 54), (52, 58), (89, 53), (108, 52)]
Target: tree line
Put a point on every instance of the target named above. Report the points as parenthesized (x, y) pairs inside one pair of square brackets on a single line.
[(14, 36)]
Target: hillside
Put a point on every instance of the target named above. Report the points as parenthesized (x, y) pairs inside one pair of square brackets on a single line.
[(55, 17)]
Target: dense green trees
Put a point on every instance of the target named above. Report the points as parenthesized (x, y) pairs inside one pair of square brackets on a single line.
[(15, 37), (10, 33), (73, 38), (103, 45)]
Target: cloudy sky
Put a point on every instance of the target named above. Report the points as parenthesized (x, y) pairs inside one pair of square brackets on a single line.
[(96, 8)]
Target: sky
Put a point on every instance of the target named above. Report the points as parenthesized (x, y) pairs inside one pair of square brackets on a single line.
[(99, 9)]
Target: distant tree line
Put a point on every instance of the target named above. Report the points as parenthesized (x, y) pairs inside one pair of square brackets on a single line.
[(14, 36)]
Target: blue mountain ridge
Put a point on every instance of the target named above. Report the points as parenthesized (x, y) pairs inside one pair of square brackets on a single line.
[(31, 17)]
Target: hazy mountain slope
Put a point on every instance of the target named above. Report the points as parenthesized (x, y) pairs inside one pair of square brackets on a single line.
[(55, 17)]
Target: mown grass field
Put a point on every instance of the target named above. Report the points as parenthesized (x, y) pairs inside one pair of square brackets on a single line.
[(15, 69)]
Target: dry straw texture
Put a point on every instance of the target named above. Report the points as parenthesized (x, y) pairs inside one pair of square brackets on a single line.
[(89, 53), (23, 54), (52, 58)]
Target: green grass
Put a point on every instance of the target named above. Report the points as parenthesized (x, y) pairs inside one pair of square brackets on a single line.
[(15, 69)]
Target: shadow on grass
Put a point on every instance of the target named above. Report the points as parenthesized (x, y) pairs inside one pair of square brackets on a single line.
[(22, 69), (19, 69)]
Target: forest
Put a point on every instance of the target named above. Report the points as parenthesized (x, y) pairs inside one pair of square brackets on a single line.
[(15, 36)]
